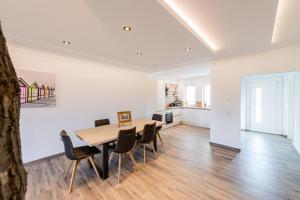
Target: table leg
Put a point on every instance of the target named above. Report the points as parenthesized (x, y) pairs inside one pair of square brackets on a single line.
[(104, 172)]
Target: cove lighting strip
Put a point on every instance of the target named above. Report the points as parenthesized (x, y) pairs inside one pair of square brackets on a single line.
[(282, 6), (187, 22)]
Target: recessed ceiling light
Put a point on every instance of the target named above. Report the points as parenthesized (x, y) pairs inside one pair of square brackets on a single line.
[(127, 28), (66, 42), (187, 49), (139, 53)]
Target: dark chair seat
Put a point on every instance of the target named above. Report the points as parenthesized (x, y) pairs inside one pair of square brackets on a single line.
[(158, 117), (158, 128), (102, 122), (139, 137), (75, 155), (124, 145), (85, 151), (105, 122), (147, 138)]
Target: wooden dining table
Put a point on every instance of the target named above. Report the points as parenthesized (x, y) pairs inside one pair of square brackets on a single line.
[(103, 135)]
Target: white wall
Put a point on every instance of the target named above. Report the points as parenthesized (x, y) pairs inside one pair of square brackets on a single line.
[(187, 71), (85, 91), (161, 96), (297, 112), (226, 88)]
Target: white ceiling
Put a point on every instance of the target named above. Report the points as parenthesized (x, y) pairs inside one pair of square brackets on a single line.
[(232, 26), (94, 27)]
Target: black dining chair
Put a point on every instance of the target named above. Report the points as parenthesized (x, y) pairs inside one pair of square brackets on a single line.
[(76, 155), (158, 117), (102, 122), (148, 138), (124, 145)]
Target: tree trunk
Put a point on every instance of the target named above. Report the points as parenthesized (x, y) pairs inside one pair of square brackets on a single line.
[(13, 177)]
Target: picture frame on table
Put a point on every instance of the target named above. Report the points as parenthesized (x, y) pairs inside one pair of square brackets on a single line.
[(124, 118)]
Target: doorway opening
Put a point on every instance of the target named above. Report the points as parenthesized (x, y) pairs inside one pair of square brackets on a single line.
[(264, 97), (270, 113), (267, 104)]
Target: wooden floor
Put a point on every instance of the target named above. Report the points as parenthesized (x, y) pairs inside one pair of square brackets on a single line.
[(268, 167)]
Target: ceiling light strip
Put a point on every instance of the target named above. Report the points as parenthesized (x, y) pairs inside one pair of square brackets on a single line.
[(276, 23), (187, 22)]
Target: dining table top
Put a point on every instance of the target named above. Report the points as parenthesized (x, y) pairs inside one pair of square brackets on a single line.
[(103, 134)]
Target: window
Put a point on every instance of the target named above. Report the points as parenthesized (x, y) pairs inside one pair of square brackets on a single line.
[(206, 94), (258, 96), (190, 95)]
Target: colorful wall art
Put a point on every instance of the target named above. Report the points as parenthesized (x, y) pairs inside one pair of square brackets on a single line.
[(37, 89)]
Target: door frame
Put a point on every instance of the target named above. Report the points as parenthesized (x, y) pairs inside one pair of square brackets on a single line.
[(248, 82)]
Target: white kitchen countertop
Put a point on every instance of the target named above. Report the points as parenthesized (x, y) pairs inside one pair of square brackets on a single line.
[(180, 107)]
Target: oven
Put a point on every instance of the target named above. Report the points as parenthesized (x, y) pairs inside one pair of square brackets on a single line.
[(169, 117)]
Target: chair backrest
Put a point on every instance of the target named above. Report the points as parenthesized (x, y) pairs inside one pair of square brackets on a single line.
[(157, 117), (68, 145), (102, 122), (126, 140), (149, 133)]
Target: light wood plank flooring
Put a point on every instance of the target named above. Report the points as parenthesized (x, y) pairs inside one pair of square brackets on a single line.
[(268, 167)]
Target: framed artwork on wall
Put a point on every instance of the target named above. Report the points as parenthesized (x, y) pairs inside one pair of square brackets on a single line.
[(124, 118), (37, 89)]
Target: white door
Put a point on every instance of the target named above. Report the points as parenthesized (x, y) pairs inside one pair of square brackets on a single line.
[(265, 105)]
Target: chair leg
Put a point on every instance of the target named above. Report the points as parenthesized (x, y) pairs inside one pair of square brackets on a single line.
[(73, 175), (119, 168), (162, 144), (152, 145), (132, 158), (68, 168), (94, 166), (133, 148), (144, 154), (89, 162), (110, 157)]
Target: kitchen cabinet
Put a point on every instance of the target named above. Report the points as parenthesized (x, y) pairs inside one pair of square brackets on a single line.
[(193, 116), (188, 115), (196, 116), (176, 116)]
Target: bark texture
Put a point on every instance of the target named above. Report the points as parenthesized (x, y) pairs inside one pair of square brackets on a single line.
[(13, 177)]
